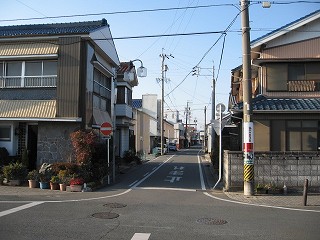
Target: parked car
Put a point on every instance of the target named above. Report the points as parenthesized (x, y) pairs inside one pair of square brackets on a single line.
[(157, 149), (172, 147)]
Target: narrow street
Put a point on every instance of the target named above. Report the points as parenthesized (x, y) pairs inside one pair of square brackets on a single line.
[(163, 199)]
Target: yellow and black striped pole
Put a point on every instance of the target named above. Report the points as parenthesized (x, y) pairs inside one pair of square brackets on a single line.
[(248, 154)]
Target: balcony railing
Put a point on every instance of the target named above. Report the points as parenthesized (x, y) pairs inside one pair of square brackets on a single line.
[(19, 82), (304, 86)]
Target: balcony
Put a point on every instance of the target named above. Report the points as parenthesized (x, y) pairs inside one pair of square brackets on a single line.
[(123, 110), (21, 82)]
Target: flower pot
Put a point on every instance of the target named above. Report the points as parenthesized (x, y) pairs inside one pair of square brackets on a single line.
[(44, 185), (33, 183), (75, 188), (63, 186), (54, 186)]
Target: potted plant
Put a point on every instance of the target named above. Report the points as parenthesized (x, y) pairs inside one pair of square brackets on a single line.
[(33, 178), (15, 173), (63, 176), (45, 175), (54, 182), (76, 184)]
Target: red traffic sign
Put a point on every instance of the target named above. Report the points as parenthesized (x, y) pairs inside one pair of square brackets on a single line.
[(106, 128)]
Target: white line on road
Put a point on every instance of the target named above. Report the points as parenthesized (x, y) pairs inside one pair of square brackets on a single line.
[(133, 183), (143, 179), (16, 209), (146, 174), (163, 188), (203, 186), (141, 236)]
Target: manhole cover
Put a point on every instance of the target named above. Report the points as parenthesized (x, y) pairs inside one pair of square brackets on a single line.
[(105, 215), (211, 221), (115, 205)]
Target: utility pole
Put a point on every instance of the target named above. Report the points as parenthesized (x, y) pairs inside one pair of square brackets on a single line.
[(164, 68), (213, 106), (205, 129), (186, 130), (248, 134)]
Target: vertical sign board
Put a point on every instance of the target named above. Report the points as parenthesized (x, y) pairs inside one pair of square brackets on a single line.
[(248, 143), (106, 130)]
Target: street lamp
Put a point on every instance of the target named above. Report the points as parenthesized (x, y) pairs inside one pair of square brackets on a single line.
[(141, 71)]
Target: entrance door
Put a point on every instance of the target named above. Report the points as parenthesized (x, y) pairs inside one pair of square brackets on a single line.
[(32, 141)]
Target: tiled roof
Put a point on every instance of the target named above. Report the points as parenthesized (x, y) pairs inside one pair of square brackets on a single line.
[(51, 29), (137, 103), (262, 103)]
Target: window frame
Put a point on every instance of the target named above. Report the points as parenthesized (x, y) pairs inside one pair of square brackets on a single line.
[(311, 85), (7, 127), (27, 81)]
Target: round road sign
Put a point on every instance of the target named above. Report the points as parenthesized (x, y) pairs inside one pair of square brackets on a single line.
[(106, 128)]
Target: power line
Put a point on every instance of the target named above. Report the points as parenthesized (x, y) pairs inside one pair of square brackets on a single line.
[(117, 12)]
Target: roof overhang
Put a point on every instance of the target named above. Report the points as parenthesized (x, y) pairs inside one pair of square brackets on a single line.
[(284, 30), (28, 50), (31, 110)]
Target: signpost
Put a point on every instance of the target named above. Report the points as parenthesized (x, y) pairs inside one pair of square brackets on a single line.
[(106, 130), (221, 123)]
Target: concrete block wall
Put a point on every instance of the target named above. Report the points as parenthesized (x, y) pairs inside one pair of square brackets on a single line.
[(54, 144), (291, 168)]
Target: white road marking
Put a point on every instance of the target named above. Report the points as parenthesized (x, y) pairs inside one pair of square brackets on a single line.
[(16, 209), (141, 236), (164, 188), (133, 183), (146, 174), (157, 168), (203, 186)]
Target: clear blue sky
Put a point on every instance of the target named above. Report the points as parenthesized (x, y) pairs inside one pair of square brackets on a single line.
[(188, 51)]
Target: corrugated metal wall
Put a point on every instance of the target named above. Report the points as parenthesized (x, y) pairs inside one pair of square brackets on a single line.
[(300, 50), (68, 84)]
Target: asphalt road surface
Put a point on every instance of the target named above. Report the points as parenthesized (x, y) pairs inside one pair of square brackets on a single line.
[(166, 198)]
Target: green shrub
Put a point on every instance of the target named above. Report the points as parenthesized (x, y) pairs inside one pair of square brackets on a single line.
[(15, 171), (55, 179), (33, 175)]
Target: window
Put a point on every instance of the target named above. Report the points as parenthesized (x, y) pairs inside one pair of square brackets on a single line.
[(28, 74), (302, 135), (294, 77), (102, 91), (124, 95), (276, 77), (5, 133), (14, 69)]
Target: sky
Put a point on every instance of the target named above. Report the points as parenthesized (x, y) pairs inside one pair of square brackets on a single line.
[(207, 51)]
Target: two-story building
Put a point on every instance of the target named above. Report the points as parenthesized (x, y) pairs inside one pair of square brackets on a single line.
[(285, 105), (55, 79), (124, 134)]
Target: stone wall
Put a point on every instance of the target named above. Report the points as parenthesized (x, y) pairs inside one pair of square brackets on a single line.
[(291, 168), (54, 143)]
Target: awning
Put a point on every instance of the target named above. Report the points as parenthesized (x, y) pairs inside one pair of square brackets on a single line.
[(28, 49), (31, 110), (27, 108), (100, 117)]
